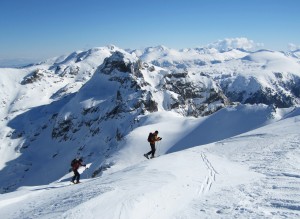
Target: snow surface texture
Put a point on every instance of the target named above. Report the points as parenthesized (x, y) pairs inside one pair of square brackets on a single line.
[(229, 148), (252, 175)]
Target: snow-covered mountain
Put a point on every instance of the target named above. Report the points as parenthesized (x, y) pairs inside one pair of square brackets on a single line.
[(90, 120), (262, 76), (101, 104)]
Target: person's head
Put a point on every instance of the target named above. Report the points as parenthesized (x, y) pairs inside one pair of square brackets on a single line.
[(156, 132), (80, 160)]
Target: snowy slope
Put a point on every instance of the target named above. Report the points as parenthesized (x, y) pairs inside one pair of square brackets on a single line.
[(53, 78), (252, 175), (94, 103), (29, 97)]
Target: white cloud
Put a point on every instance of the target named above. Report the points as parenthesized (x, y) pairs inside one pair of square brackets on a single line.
[(234, 43)]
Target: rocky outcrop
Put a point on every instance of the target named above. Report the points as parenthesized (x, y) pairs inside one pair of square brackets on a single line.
[(193, 97), (116, 62), (33, 77), (283, 91)]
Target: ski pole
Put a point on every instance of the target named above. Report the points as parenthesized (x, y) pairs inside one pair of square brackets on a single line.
[(158, 148), (86, 175)]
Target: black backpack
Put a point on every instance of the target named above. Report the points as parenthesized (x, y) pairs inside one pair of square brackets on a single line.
[(150, 137), (73, 162)]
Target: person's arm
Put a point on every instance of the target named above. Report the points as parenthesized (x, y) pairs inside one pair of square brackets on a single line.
[(84, 165), (157, 138)]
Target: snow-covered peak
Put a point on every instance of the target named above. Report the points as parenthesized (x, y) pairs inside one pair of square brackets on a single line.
[(89, 55), (220, 51), (124, 56), (160, 48), (293, 47), (153, 53), (185, 58), (295, 53), (274, 61)]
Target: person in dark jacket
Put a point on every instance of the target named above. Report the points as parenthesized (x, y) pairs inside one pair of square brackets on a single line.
[(153, 137), (75, 167)]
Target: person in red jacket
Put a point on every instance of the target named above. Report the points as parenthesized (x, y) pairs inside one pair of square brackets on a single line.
[(75, 166), (152, 138)]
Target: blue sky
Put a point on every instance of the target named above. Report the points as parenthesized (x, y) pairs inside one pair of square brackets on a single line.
[(39, 29)]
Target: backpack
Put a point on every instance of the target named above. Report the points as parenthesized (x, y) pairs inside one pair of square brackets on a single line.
[(150, 137), (73, 162)]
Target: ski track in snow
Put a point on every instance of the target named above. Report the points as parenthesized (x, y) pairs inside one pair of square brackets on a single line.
[(210, 178), (277, 194)]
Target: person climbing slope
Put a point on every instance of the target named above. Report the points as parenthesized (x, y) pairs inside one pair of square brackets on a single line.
[(152, 138), (75, 164)]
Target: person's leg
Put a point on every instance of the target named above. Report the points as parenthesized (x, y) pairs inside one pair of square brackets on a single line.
[(78, 177), (152, 150), (75, 176)]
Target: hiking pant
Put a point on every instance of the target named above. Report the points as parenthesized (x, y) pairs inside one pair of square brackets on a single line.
[(152, 150), (76, 176)]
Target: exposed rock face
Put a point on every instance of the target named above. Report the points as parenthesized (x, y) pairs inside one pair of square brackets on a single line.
[(192, 97), (282, 91), (127, 98), (185, 95), (35, 76), (127, 72), (68, 70), (116, 62)]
